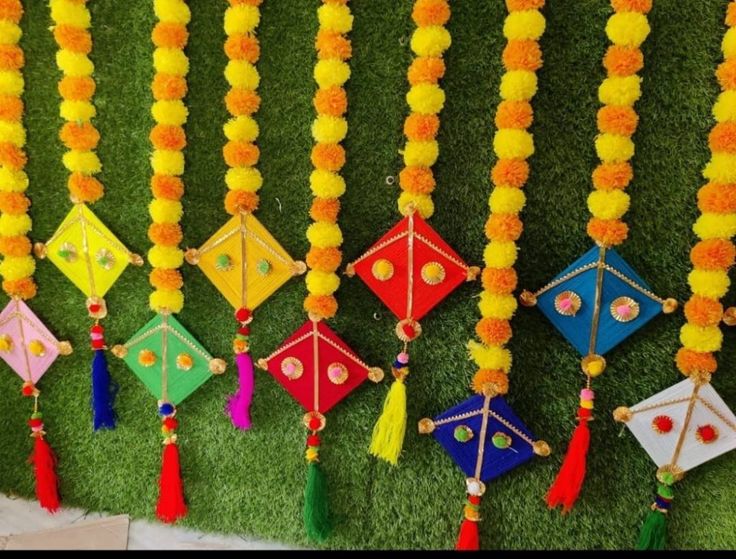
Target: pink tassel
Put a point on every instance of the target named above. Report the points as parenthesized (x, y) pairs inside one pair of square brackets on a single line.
[(238, 405)]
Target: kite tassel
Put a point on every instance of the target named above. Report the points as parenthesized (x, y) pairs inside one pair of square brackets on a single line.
[(44, 466), (469, 539), (316, 506), (388, 434), (171, 505), (238, 405), (653, 535), (103, 391)]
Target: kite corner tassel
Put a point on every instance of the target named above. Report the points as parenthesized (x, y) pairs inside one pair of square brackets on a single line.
[(103, 392), (469, 539), (653, 535), (388, 433), (316, 507), (238, 404), (171, 506), (44, 465)]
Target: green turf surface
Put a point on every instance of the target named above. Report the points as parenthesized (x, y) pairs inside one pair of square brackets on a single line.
[(252, 483)]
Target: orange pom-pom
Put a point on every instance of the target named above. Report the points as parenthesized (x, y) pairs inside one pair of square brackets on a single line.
[(421, 127), (521, 5), (23, 288), (167, 34), (73, 38), (713, 254), (240, 201), (241, 154), (331, 44), (245, 2), (690, 362), (324, 259), (608, 232), (623, 61), (14, 203), (703, 311), (243, 47), (492, 331), (11, 57), (510, 172), (11, 108), (77, 88), (498, 378), (167, 280), (723, 137), (11, 10), (79, 136), (731, 15), (322, 306), (167, 234), (617, 120), (504, 227), (15, 246), (522, 54), (426, 69), (501, 281), (641, 6), (726, 74), (430, 12), (717, 198), (325, 209), (166, 136), (331, 101), (84, 188), (610, 176), (168, 188), (514, 114), (12, 156), (417, 180), (168, 87), (328, 157), (242, 102)]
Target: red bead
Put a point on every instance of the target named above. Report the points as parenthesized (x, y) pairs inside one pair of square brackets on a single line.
[(35, 423), (313, 440), (28, 390), (98, 344), (97, 329), (242, 314), (585, 413), (707, 433), (94, 308), (170, 423), (314, 423), (244, 330), (662, 424), (409, 331)]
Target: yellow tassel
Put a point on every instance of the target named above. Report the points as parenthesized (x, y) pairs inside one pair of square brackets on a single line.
[(389, 431)]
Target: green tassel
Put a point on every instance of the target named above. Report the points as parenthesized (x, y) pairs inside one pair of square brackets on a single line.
[(653, 534), (316, 509)]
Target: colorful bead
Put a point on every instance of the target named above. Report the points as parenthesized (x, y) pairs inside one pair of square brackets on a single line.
[(662, 424), (501, 441), (463, 433), (263, 267), (166, 409)]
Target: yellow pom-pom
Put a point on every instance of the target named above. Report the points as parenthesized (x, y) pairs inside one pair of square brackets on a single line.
[(166, 257), (165, 211), (324, 235), (12, 181), (241, 19), (613, 148), (85, 162), (331, 72), (725, 108), (431, 40), (6, 343), (37, 348), (242, 74), (170, 61), (627, 28), (608, 204), (335, 17), (524, 24), (248, 179), (421, 154), (66, 12), (620, 90), (501, 307), (506, 200), (701, 339), (490, 357), (713, 284), (426, 98), (728, 46), (715, 226), (16, 268), (329, 129), (325, 184), (241, 129), (174, 11), (11, 83), (172, 113), (10, 33), (322, 283), (13, 132), (13, 225), (510, 143), (167, 162), (500, 254), (74, 64), (518, 85), (721, 168), (421, 203), (77, 111), (166, 300)]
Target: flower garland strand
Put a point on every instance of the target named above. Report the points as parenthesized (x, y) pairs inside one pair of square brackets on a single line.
[(627, 28), (513, 145), (18, 265)]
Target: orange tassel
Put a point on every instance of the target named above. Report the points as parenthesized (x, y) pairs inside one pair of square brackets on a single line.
[(566, 487), (171, 505), (44, 466)]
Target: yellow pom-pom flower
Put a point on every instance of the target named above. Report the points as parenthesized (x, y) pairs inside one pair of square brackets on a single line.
[(715, 226), (162, 210), (243, 74), (330, 72), (11, 83), (166, 257), (724, 109), (608, 204), (507, 200), (421, 203), (421, 154), (329, 129), (721, 168), (167, 162), (524, 24), (170, 61), (85, 162), (13, 132), (166, 300), (66, 12), (241, 129), (490, 357), (15, 225), (77, 111), (335, 17), (510, 143), (12, 181), (501, 307), (701, 339), (325, 184), (613, 148), (172, 113), (628, 29), (172, 11), (620, 90), (248, 179), (713, 284), (518, 85), (500, 254), (322, 283), (324, 235), (426, 98), (241, 19), (432, 40), (74, 63), (728, 46), (10, 33), (17, 268)]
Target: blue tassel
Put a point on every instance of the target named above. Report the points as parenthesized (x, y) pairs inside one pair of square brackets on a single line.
[(103, 393)]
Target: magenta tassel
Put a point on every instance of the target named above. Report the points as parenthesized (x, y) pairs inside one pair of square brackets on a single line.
[(238, 405)]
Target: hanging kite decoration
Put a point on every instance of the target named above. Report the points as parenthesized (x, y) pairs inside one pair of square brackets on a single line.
[(689, 424), (167, 358), (314, 365), (242, 259), (483, 435), (83, 248), (411, 268), (599, 300), (26, 344)]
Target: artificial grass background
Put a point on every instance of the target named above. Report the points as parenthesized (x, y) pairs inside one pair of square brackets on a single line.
[(252, 483)]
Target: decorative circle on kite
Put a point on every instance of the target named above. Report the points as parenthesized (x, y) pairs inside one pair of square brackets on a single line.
[(433, 273), (382, 269), (337, 373), (662, 424), (105, 259), (292, 368), (624, 309), (67, 252), (184, 362), (568, 303), (147, 358), (463, 433), (706, 434)]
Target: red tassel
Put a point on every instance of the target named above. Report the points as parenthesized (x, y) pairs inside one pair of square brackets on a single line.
[(171, 505), (566, 487), (468, 539), (44, 466)]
